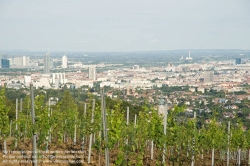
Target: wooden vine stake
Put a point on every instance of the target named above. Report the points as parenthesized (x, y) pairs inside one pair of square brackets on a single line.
[(48, 137), (152, 150), (127, 122), (228, 144), (135, 120), (192, 163), (85, 108), (16, 123), (5, 147), (21, 105), (165, 133), (75, 131), (104, 125), (34, 151), (91, 135), (10, 127)]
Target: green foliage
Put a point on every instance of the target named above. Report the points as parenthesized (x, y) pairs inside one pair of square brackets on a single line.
[(238, 138), (4, 119), (215, 135), (130, 142), (41, 120)]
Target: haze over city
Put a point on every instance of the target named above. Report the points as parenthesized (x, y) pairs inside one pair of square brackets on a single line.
[(111, 25)]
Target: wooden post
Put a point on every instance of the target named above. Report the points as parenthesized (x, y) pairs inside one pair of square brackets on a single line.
[(105, 132), (152, 150), (127, 122), (83, 139), (5, 147), (248, 156), (10, 128), (48, 136), (192, 163), (21, 105), (213, 157), (50, 114), (75, 133), (34, 151), (16, 122), (239, 156), (91, 135), (135, 120), (228, 144), (165, 133)]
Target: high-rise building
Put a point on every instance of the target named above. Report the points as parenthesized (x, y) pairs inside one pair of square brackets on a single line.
[(1, 57), (18, 61), (64, 62), (208, 76), (5, 63), (27, 80), (21, 61), (46, 62), (26, 61), (237, 61), (51, 66), (60, 77), (92, 73)]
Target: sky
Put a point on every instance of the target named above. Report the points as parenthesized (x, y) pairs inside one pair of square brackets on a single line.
[(119, 25)]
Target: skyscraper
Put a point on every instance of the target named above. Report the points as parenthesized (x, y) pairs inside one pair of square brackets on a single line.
[(22, 61), (46, 62), (208, 76), (64, 62), (5, 63), (237, 61), (92, 73), (26, 61)]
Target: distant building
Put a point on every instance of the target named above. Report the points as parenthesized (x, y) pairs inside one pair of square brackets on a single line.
[(26, 61), (5, 63), (18, 61), (58, 77), (208, 76), (15, 85), (92, 73), (27, 80), (136, 67), (21, 61), (64, 62), (51, 66), (237, 61), (46, 62)]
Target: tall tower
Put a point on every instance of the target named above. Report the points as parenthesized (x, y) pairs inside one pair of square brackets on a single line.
[(64, 62), (208, 76), (92, 73), (46, 62), (26, 60), (237, 61)]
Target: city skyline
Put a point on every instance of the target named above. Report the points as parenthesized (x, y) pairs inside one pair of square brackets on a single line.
[(114, 27)]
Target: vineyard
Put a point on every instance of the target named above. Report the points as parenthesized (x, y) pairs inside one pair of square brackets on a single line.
[(108, 134)]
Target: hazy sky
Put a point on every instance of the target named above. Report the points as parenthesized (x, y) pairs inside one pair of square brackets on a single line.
[(124, 25)]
